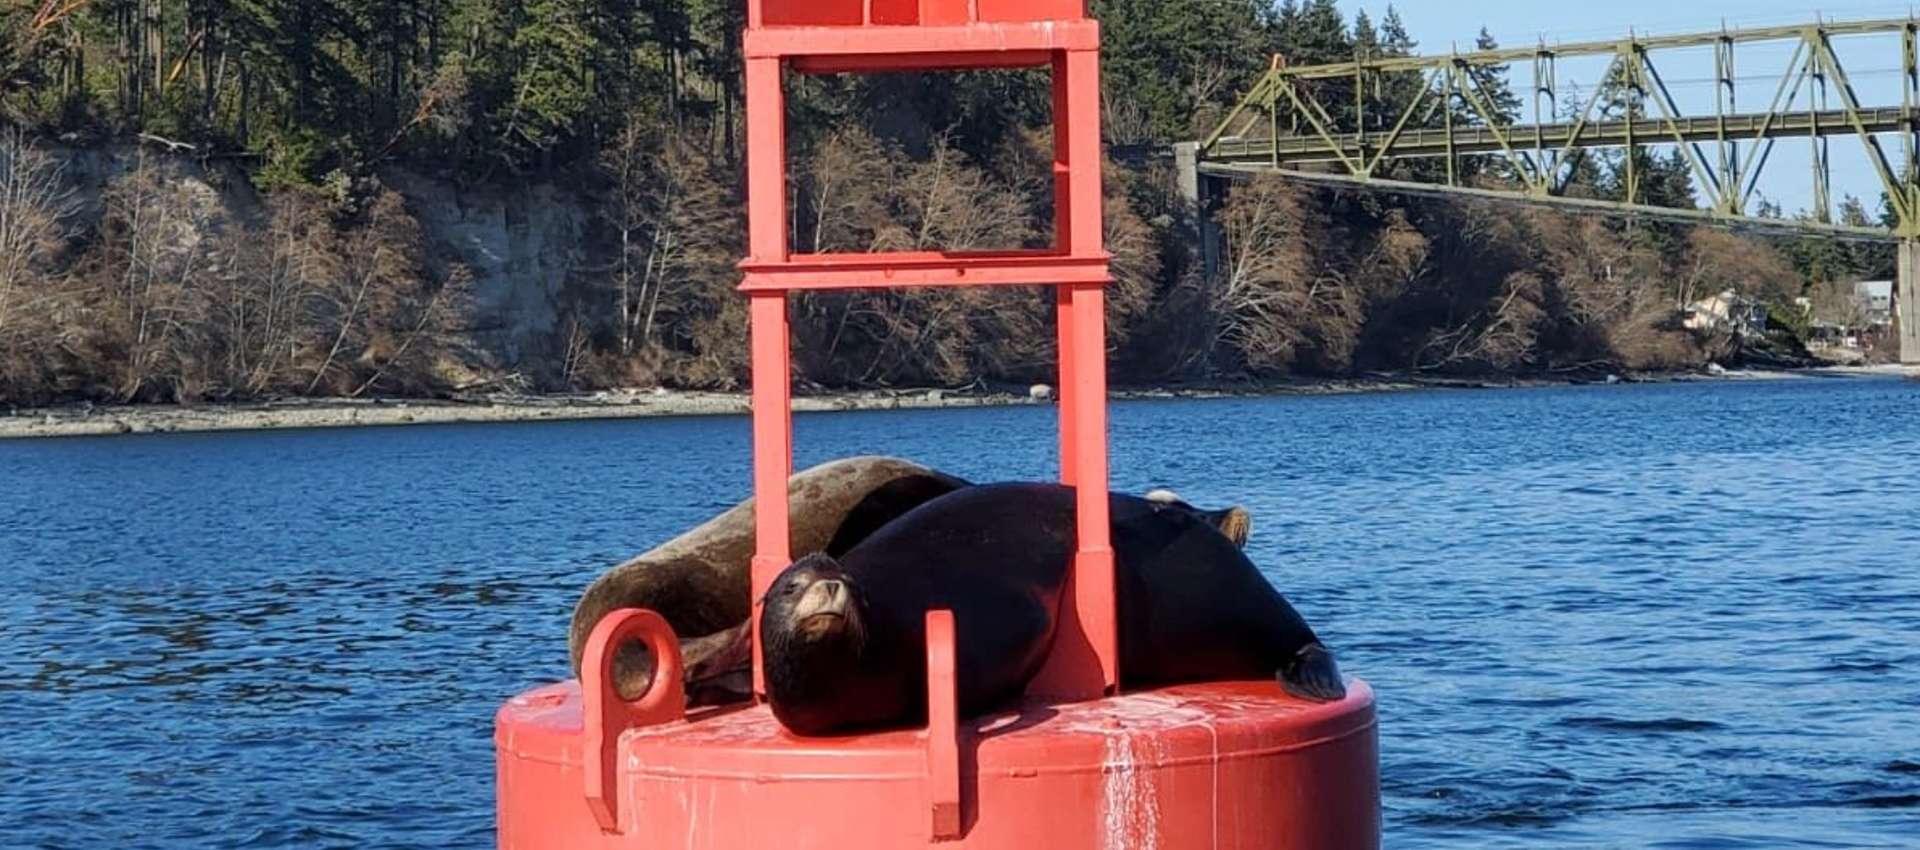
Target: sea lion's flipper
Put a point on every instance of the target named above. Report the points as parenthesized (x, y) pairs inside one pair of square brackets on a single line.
[(1312, 674), (1235, 522), (720, 667)]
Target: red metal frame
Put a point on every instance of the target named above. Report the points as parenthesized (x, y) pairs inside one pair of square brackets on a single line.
[(1224, 764), (818, 36)]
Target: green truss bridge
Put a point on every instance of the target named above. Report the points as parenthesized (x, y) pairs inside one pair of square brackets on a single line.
[(1409, 124)]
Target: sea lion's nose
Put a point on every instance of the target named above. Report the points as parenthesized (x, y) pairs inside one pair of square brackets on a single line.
[(833, 589)]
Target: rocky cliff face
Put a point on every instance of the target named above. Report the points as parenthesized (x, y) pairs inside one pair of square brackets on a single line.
[(526, 246)]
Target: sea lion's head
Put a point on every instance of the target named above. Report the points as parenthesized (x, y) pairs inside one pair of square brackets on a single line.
[(814, 607)]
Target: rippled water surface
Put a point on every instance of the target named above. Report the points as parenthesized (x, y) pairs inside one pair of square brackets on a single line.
[(1680, 616)]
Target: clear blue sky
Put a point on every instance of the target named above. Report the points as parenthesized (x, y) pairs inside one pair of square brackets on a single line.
[(1441, 24)]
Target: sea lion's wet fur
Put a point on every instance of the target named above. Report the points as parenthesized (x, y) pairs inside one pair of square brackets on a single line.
[(701, 581), (1192, 608)]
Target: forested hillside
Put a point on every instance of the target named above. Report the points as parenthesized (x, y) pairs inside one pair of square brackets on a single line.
[(215, 199)]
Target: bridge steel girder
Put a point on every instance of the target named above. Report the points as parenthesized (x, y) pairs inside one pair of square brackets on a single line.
[(1295, 151)]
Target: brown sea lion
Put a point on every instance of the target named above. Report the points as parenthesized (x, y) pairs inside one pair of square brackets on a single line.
[(845, 638), (700, 581)]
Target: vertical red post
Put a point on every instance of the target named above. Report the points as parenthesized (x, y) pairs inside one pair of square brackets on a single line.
[(1063, 241), (1067, 391), (1093, 592), (1085, 662), (772, 372)]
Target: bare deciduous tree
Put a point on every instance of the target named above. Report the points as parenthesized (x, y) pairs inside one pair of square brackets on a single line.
[(266, 297), (1715, 261), (1501, 337), (669, 211), (1275, 299), (156, 253), (36, 205)]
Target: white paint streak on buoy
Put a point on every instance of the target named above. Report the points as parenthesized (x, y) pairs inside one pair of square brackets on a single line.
[(1133, 759), (1213, 796), (1134, 730), (1132, 798), (689, 809)]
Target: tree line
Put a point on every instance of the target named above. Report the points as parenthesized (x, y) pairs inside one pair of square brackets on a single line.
[(330, 286)]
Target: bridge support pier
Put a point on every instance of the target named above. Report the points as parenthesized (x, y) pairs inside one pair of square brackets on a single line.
[(1197, 194), (1907, 302)]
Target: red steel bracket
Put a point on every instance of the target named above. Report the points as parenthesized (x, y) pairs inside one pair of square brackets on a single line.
[(943, 733), (607, 715)]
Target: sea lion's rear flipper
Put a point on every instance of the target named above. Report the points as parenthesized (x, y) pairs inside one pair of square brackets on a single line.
[(1312, 674), (1235, 522)]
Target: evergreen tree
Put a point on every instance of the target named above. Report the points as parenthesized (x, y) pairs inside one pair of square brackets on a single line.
[(1493, 84), (1868, 260), (1173, 59), (1312, 34), (554, 49), (1366, 39), (1488, 91), (1394, 39)]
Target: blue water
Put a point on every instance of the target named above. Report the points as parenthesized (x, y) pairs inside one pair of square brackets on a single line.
[(1680, 616)]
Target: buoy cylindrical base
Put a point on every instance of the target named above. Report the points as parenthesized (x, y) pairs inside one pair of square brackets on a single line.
[(1222, 765)]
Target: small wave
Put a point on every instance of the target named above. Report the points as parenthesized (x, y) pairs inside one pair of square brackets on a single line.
[(1646, 727), (1902, 766), (1532, 816), (1526, 702), (1892, 801), (1839, 666)]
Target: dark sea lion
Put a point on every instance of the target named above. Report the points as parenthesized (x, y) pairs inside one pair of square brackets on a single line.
[(701, 581), (845, 638)]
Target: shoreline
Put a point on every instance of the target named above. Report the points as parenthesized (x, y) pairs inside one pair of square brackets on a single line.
[(86, 420)]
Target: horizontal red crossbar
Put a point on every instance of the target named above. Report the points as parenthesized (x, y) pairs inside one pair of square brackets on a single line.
[(880, 63), (925, 268), (975, 40)]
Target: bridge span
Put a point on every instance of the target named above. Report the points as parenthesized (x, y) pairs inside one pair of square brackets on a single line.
[(1411, 124)]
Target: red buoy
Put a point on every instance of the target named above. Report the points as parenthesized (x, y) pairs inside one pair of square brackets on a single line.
[(1218, 765)]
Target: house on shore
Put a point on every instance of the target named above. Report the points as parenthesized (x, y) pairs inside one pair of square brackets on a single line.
[(1729, 311), (1875, 298)]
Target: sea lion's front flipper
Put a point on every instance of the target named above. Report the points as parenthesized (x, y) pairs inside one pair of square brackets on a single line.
[(720, 666), (1312, 674)]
